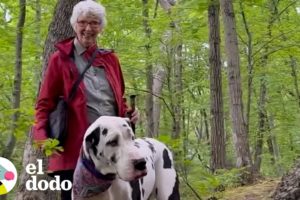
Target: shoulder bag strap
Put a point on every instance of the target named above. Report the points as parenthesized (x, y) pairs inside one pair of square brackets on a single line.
[(76, 84)]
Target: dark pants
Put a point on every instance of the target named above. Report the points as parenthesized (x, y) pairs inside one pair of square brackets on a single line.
[(64, 175)]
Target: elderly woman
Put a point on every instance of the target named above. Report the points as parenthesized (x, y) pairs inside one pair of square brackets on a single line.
[(100, 93)]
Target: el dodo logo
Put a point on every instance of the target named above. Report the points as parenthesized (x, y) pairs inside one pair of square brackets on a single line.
[(35, 184), (8, 176)]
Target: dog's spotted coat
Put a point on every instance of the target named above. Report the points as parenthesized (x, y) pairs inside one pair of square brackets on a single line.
[(142, 168)]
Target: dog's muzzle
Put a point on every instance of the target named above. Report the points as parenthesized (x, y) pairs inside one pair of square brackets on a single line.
[(140, 168), (139, 164)]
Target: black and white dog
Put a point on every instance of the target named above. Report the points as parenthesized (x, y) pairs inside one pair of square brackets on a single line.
[(115, 166)]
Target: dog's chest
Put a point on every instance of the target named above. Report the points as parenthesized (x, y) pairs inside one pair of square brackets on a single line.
[(86, 185)]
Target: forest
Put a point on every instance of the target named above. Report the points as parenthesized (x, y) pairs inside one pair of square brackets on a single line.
[(216, 80)]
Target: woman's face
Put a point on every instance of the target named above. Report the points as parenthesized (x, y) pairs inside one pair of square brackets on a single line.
[(87, 29)]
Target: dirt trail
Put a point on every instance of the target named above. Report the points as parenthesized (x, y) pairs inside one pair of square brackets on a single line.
[(259, 191)]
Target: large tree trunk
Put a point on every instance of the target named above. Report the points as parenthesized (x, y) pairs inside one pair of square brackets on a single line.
[(218, 149), (59, 29), (240, 136)]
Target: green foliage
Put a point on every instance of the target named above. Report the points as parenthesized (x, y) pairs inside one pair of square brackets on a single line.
[(229, 177), (49, 146)]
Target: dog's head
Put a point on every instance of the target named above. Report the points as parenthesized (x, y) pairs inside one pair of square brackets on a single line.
[(109, 143)]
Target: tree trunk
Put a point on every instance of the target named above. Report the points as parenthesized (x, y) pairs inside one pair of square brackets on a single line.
[(160, 74), (276, 15), (262, 117), (174, 70), (295, 77), (206, 126), (38, 40), (174, 74), (30, 156), (59, 29), (157, 90), (273, 147), (16, 93), (177, 90), (250, 65), (240, 136), (218, 150), (149, 72)]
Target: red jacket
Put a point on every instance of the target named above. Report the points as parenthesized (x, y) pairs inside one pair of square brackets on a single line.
[(59, 78)]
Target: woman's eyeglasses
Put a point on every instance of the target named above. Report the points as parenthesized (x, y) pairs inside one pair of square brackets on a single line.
[(93, 24)]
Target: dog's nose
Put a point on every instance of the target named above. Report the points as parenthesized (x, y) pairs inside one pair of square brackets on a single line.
[(139, 164)]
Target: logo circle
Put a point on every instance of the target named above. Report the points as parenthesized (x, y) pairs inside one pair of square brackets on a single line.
[(8, 176)]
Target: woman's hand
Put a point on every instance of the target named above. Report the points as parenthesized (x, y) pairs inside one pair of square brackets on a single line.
[(134, 116)]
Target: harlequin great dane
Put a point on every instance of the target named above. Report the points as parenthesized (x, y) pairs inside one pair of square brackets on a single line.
[(113, 165)]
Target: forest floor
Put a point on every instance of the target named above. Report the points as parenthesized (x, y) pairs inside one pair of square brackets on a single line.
[(261, 190)]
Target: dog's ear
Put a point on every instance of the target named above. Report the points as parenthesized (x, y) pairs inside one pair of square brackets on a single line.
[(128, 127), (92, 140), (127, 121)]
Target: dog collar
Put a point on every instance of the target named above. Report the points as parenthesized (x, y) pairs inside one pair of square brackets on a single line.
[(90, 166)]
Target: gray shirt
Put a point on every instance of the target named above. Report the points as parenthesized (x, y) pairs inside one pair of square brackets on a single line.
[(99, 94)]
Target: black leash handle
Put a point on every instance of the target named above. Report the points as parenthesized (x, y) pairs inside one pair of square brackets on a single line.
[(132, 105)]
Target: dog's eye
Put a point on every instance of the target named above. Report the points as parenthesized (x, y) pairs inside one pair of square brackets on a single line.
[(112, 143)]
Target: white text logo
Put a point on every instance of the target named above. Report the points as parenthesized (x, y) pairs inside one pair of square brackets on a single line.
[(34, 184)]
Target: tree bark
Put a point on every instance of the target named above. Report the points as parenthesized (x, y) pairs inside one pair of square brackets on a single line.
[(37, 69), (206, 126), (240, 136), (174, 70), (157, 90), (59, 29), (175, 49), (16, 93), (262, 118), (250, 65), (149, 71), (177, 90), (218, 150), (273, 147), (293, 64)]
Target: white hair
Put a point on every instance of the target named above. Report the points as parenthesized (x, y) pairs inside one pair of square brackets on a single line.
[(86, 8)]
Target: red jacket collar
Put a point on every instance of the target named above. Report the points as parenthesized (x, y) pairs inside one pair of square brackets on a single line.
[(66, 47)]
